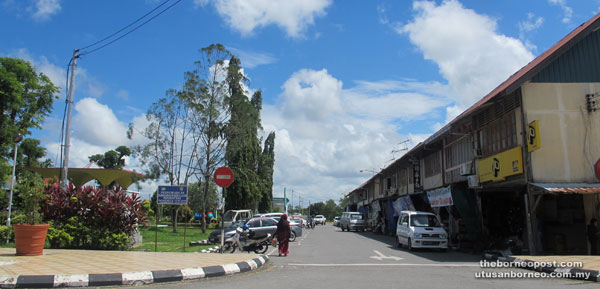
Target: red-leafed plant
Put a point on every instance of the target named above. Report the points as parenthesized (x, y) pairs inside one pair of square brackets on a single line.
[(91, 218)]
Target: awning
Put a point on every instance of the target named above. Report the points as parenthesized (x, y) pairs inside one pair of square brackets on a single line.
[(568, 188)]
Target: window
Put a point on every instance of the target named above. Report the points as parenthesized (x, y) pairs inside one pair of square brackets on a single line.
[(404, 220), (432, 164), (253, 223), (269, 222), (500, 134), (356, 217), (424, 221)]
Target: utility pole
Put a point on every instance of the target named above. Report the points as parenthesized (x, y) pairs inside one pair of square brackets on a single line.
[(67, 144), (292, 199), (284, 201)]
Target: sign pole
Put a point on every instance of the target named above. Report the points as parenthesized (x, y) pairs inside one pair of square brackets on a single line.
[(184, 231), (156, 227), (222, 219)]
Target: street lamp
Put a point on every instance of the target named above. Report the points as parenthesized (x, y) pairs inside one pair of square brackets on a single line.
[(18, 138)]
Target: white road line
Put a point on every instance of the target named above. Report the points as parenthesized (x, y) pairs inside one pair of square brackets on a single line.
[(377, 264)]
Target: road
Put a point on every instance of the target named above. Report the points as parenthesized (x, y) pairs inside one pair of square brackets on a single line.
[(326, 257)]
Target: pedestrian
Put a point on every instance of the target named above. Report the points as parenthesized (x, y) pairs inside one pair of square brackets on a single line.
[(592, 231), (283, 235)]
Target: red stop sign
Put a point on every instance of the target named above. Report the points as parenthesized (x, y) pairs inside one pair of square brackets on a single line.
[(223, 177)]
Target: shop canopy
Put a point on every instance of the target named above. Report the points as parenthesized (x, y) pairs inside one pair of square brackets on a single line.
[(568, 188), (80, 176)]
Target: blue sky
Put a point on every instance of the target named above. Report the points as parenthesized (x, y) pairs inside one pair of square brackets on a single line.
[(344, 82)]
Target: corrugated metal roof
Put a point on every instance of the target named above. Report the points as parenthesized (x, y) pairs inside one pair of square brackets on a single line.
[(570, 188)]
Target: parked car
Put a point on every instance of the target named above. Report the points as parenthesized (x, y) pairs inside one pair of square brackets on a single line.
[(352, 221), (233, 215), (259, 227), (420, 230), (336, 221), (319, 220), (299, 220)]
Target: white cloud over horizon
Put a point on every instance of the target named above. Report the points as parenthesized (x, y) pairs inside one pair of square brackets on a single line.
[(293, 16), (326, 134), (469, 51)]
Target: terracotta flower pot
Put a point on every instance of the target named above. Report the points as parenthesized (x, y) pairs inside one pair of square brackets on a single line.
[(30, 239)]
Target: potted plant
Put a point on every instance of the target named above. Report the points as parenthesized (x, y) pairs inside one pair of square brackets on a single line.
[(30, 236)]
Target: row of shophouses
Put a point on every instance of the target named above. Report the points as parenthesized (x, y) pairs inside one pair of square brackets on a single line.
[(521, 164)]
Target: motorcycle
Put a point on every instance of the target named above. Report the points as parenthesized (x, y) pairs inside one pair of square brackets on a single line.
[(243, 241)]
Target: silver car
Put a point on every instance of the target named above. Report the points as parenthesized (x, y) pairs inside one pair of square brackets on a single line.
[(352, 221)]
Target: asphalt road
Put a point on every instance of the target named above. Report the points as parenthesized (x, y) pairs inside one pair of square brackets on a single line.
[(326, 257)]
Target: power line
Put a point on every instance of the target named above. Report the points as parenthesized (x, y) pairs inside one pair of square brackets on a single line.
[(136, 21), (132, 30)]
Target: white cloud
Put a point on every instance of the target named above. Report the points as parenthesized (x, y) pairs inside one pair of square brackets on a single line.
[(123, 94), (44, 9), (95, 123), (326, 134), (56, 73), (471, 55), (252, 59), (293, 16), (532, 23), (567, 10)]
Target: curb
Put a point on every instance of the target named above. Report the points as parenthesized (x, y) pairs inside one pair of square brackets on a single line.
[(130, 278), (594, 275)]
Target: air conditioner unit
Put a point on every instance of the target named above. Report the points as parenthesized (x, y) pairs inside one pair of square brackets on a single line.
[(473, 181), (465, 169)]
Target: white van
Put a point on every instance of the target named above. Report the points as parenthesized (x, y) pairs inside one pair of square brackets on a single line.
[(420, 230)]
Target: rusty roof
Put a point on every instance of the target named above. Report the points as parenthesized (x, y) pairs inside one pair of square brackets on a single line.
[(569, 188)]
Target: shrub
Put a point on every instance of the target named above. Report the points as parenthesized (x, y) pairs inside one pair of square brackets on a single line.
[(30, 189), (91, 218)]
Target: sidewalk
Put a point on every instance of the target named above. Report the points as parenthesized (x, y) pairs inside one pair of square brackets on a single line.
[(66, 268), (558, 264)]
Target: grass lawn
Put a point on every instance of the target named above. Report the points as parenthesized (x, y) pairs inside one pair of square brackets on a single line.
[(173, 242)]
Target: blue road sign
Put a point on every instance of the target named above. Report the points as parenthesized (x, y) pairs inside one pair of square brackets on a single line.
[(172, 195)]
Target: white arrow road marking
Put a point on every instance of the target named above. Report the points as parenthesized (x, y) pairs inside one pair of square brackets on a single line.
[(381, 256)]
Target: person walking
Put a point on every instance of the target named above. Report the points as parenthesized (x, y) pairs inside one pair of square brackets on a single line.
[(592, 232), (283, 235)]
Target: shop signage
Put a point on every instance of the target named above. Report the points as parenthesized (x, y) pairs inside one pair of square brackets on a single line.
[(441, 197), (417, 175), (533, 136), (502, 165), (597, 168)]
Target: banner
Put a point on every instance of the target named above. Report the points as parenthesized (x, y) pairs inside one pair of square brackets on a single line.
[(402, 204), (441, 197)]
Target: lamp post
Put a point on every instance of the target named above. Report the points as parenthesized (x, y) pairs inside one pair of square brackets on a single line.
[(17, 139)]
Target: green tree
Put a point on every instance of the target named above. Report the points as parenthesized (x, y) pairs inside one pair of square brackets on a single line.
[(205, 90), (265, 172), (30, 154), (243, 146), (200, 203), (26, 98), (112, 159), (171, 150)]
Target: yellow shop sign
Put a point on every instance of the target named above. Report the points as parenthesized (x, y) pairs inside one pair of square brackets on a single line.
[(502, 165), (533, 136)]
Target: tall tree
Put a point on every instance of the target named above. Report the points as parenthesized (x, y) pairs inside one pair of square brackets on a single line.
[(171, 151), (26, 98), (265, 172), (243, 146), (206, 92)]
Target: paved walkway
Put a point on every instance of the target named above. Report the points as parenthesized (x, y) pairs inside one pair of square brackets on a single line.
[(572, 267), (57, 268)]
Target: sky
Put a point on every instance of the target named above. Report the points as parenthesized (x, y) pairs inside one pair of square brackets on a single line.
[(347, 86)]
